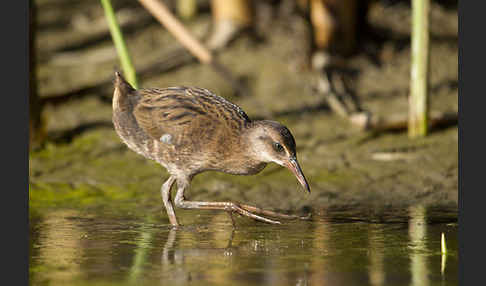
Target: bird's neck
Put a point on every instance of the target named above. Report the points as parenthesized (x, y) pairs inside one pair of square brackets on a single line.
[(250, 142)]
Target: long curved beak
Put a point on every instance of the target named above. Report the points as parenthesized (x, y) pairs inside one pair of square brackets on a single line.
[(294, 167)]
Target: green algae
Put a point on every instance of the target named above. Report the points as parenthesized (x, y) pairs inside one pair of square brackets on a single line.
[(75, 195)]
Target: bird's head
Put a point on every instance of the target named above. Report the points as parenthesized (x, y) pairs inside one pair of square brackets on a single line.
[(273, 142)]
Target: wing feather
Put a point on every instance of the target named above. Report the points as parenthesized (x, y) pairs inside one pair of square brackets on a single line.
[(187, 114)]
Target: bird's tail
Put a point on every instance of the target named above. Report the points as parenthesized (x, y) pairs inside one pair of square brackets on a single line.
[(122, 84), (123, 89)]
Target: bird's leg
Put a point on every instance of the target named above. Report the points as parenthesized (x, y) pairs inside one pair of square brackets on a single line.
[(226, 206), (165, 191), (232, 219)]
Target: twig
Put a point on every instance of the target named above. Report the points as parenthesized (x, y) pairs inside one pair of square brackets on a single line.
[(177, 29)]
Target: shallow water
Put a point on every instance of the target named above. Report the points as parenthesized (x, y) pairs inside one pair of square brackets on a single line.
[(336, 247)]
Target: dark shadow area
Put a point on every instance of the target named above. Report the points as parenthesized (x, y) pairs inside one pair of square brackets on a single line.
[(127, 31), (298, 111), (174, 60), (450, 120), (447, 4), (67, 136), (449, 84), (61, 23), (375, 38)]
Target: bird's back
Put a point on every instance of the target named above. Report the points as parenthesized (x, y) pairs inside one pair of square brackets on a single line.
[(181, 127), (190, 115)]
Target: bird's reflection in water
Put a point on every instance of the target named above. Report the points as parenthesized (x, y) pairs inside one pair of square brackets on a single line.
[(225, 255), (173, 261), (187, 253)]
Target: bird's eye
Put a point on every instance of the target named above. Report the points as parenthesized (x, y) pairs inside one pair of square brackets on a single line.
[(277, 147)]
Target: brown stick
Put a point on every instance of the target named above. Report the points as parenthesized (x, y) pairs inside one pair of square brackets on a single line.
[(175, 27)]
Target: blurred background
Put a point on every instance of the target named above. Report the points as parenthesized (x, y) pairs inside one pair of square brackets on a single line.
[(336, 73)]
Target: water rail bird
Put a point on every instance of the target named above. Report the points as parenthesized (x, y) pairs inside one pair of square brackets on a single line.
[(189, 130)]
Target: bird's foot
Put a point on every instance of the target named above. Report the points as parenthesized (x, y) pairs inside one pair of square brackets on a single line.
[(242, 211), (272, 213)]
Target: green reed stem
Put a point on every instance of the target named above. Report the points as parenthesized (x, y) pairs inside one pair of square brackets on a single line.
[(418, 103), (121, 48)]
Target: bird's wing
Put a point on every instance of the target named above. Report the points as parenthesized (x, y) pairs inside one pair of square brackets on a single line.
[(172, 115)]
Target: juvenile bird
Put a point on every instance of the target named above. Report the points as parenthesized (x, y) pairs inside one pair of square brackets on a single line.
[(189, 130)]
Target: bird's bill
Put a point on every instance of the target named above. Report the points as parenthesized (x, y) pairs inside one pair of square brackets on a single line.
[(294, 167)]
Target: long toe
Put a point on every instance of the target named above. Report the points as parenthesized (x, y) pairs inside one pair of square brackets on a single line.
[(263, 219), (256, 210), (244, 212)]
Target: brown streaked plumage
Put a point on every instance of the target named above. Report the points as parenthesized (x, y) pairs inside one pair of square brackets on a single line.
[(189, 130)]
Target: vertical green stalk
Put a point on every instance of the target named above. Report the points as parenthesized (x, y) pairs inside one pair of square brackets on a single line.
[(443, 248), (120, 46), (418, 105)]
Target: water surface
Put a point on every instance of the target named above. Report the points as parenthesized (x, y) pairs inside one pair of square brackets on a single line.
[(336, 247)]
